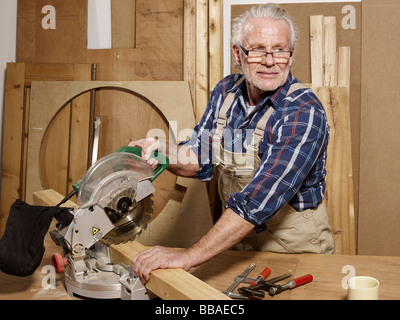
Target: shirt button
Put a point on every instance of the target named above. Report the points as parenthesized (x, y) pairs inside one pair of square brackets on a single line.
[(314, 241)]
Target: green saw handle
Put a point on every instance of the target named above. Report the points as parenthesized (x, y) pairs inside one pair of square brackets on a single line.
[(163, 161)]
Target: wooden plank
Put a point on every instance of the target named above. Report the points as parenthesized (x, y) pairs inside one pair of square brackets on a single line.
[(215, 40), (330, 56), (25, 131), (202, 72), (12, 139), (79, 134), (343, 201), (344, 55), (339, 197), (324, 95), (317, 50), (123, 18), (215, 74), (168, 284), (50, 197), (189, 46), (48, 72)]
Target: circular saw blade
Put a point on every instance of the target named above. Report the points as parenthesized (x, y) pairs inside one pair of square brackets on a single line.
[(112, 184), (133, 222)]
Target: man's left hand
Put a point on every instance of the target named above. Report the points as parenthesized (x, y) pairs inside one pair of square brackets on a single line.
[(160, 258)]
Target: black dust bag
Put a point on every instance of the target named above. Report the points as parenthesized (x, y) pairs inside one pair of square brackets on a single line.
[(22, 245)]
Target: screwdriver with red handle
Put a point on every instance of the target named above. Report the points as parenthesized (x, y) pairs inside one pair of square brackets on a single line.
[(291, 284)]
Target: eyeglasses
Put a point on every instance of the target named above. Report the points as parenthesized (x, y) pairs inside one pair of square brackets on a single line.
[(258, 55)]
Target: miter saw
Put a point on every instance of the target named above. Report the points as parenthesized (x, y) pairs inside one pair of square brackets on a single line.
[(115, 205)]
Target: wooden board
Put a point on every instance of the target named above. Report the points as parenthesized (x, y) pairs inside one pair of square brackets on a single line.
[(12, 140), (339, 198), (168, 284)]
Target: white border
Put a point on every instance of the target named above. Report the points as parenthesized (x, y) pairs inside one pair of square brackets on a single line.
[(226, 10)]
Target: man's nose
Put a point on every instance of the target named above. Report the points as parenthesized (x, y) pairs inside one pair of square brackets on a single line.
[(268, 59)]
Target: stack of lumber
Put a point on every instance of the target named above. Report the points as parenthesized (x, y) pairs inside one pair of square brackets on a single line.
[(330, 74)]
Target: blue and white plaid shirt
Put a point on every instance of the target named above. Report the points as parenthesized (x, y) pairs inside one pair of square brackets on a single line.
[(293, 152)]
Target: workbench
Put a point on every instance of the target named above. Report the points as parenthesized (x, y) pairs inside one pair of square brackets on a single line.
[(329, 272)]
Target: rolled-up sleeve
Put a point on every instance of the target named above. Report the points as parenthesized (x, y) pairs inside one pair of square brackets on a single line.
[(200, 141)]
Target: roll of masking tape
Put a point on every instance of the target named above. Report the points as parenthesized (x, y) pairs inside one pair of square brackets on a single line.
[(363, 288)]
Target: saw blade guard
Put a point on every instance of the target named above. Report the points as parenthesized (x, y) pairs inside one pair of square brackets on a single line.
[(119, 170)]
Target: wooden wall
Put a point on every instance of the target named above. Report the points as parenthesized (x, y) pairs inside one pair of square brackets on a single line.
[(171, 43), (379, 148), (161, 47), (182, 40)]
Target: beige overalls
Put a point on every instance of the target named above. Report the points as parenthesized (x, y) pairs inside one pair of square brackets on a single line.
[(289, 231)]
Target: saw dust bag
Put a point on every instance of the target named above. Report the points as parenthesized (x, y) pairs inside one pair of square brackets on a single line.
[(22, 245)]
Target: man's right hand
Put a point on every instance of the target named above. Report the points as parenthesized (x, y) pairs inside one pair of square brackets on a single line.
[(149, 145)]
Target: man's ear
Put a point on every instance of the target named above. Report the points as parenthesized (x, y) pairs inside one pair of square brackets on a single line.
[(236, 55)]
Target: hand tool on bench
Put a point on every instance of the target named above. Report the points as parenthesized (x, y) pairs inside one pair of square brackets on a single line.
[(263, 274), (291, 284), (255, 290), (235, 283), (243, 279)]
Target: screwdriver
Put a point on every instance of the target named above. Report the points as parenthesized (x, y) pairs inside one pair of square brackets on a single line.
[(291, 284)]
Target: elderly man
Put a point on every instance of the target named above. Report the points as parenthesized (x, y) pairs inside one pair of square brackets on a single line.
[(264, 136)]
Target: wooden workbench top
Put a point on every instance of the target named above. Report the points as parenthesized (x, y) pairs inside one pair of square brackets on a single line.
[(328, 272)]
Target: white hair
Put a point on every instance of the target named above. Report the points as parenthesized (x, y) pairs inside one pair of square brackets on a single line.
[(269, 10)]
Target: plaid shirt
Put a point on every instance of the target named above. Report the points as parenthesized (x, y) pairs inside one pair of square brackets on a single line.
[(293, 152)]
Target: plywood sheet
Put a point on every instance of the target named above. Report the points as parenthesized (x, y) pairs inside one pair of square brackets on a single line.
[(179, 202), (15, 130), (379, 218)]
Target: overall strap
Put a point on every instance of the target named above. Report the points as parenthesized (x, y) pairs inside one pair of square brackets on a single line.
[(258, 134), (221, 122), (294, 87)]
